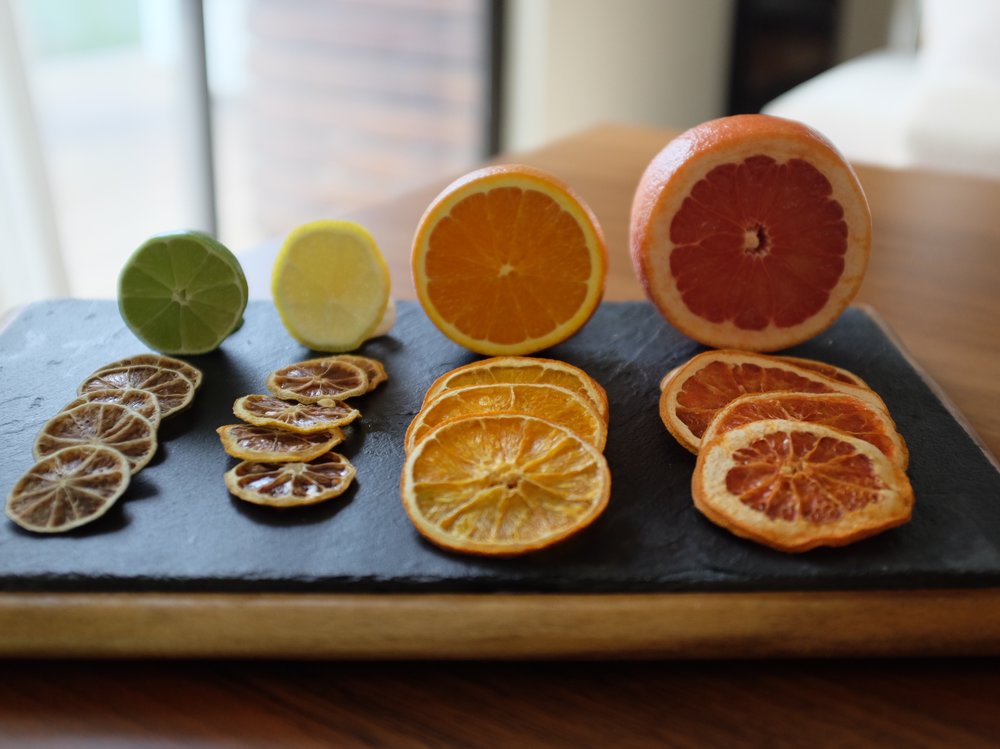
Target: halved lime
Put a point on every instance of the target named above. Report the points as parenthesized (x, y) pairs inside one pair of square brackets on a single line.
[(182, 293), (330, 285)]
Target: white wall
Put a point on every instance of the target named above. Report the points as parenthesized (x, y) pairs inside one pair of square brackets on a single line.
[(575, 63)]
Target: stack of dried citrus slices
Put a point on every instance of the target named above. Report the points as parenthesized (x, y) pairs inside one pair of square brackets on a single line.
[(286, 442), (792, 453), (88, 451), (505, 456)]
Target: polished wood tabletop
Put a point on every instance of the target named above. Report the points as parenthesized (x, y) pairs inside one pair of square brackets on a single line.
[(934, 277)]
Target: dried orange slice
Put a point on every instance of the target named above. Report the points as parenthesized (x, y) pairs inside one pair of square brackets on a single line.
[(750, 232), (158, 360), (291, 484), (839, 411), (265, 444), (142, 402), (555, 404), (301, 418), (508, 260), (372, 367), (503, 484), (794, 486), (108, 424), (172, 389), (522, 369), (318, 379), (69, 488), (713, 379), (827, 370)]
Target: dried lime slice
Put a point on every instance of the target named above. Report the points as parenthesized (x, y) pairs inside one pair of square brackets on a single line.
[(291, 484), (372, 367), (249, 442), (318, 379), (157, 360), (69, 488), (330, 285), (302, 418), (108, 424), (143, 402), (182, 293), (173, 390)]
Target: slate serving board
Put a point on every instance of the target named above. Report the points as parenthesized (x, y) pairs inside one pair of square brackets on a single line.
[(177, 528)]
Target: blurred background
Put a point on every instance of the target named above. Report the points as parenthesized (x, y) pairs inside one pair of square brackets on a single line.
[(120, 119)]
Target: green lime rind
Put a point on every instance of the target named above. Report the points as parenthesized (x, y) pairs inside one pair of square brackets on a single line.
[(182, 293)]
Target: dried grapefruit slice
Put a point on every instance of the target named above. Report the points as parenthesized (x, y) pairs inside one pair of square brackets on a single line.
[(69, 488), (839, 411), (827, 370), (522, 369), (172, 389), (555, 404), (712, 379), (750, 232), (158, 360), (508, 260), (372, 367), (108, 424), (318, 379), (302, 418), (265, 444), (291, 484), (142, 402), (503, 484), (794, 486)]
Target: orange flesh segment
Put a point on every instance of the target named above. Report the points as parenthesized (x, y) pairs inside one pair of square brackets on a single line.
[(507, 265), (801, 475), (759, 243)]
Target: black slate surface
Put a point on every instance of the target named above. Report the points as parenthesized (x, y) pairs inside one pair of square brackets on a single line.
[(178, 529)]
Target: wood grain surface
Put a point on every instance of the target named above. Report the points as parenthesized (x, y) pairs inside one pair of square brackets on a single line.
[(933, 276)]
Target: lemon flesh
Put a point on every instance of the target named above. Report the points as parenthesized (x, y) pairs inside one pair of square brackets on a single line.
[(330, 285)]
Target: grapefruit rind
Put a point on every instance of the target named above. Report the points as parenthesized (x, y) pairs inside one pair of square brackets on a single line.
[(893, 507)]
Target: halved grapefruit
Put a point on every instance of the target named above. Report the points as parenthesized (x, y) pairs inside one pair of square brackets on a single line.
[(750, 232)]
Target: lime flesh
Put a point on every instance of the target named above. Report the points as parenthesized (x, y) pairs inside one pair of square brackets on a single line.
[(182, 293)]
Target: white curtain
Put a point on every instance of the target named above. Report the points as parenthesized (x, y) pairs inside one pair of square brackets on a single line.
[(31, 265)]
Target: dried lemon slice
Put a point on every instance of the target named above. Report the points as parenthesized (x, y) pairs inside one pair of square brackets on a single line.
[(291, 484), (249, 442), (109, 424), (143, 402), (313, 380), (69, 488), (302, 418), (372, 367), (158, 360), (174, 391)]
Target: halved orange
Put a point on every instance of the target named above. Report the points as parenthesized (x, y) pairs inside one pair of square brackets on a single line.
[(503, 484), (318, 379), (302, 418), (827, 370), (108, 424), (372, 367), (794, 486), (522, 369), (158, 360), (142, 402), (555, 404), (69, 488), (508, 260), (750, 232), (839, 411), (291, 484), (172, 389), (712, 379), (266, 444)]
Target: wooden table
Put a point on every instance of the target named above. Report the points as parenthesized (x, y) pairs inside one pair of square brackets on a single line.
[(934, 277)]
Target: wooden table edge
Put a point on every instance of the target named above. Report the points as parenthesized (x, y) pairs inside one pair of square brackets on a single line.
[(502, 625)]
